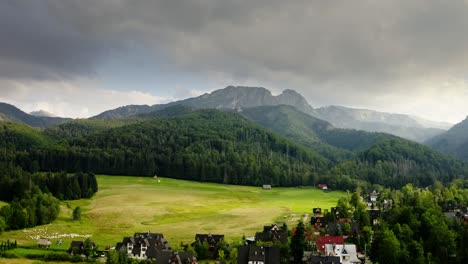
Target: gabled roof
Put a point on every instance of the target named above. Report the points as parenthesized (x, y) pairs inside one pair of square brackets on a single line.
[(271, 255), (209, 238), (322, 240)]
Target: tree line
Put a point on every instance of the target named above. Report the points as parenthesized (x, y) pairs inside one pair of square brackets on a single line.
[(34, 197)]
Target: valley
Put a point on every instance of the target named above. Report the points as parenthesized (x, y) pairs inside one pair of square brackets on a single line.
[(178, 209)]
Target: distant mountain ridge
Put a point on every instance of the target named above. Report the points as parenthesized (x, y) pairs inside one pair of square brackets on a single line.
[(231, 97), (9, 112), (239, 97), (454, 141), (405, 126)]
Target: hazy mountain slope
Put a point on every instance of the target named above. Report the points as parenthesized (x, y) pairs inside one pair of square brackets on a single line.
[(231, 97), (400, 125), (454, 141), (12, 113), (335, 144)]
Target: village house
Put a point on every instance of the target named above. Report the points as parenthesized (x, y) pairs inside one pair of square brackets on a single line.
[(346, 252), (77, 247), (212, 240), (258, 255), (272, 233), (144, 245), (317, 220), (322, 186), (321, 241)]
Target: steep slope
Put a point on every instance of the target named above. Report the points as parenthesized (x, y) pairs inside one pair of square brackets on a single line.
[(405, 126), (335, 144), (17, 136), (454, 141), (11, 113), (231, 97)]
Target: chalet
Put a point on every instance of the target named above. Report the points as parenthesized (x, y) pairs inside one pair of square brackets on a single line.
[(266, 187), (317, 220), (44, 243), (323, 186), (346, 252), (321, 241), (144, 245), (272, 233), (77, 247), (212, 240), (258, 255)]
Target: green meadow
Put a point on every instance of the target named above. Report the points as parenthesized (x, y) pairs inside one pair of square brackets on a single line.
[(178, 209)]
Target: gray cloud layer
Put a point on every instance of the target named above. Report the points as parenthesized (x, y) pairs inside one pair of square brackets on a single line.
[(324, 49)]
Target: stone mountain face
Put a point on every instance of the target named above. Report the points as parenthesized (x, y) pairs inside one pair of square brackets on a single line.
[(231, 97), (235, 97), (454, 141), (240, 97)]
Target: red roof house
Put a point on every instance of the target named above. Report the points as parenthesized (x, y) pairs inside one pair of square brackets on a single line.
[(322, 240)]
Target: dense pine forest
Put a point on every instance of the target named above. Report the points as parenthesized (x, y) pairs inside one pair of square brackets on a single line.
[(228, 147)]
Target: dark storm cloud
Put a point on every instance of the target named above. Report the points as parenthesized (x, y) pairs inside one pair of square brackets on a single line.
[(36, 45), (354, 45)]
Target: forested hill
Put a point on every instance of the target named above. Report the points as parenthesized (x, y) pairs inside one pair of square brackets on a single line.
[(454, 141), (334, 143), (396, 162), (218, 146), (205, 145), (10, 112)]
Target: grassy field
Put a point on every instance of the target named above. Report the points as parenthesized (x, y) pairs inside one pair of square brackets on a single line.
[(178, 209)]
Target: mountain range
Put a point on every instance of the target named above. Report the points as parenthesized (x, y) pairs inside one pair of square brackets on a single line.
[(335, 132), (406, 126)]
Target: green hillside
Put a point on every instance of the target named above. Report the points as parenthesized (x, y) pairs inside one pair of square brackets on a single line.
[(333, 143), (206, 145), (17, 136), (454, 141), (396, 162)]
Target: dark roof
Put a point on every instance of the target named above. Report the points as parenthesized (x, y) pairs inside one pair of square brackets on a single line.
[(257, 253), (209, 238), (152, 241), (270, 234), (324, 260), (268, 255)]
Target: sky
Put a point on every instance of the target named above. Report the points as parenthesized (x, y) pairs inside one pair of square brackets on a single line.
[(80, 58)]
